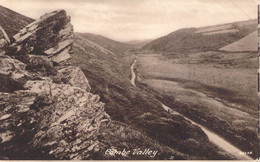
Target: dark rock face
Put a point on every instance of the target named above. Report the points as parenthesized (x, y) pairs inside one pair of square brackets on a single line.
[(43, 117)]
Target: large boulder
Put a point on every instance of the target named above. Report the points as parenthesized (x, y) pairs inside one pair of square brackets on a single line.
[(51, 35)]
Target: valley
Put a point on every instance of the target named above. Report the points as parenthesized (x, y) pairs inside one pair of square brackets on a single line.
[(214, 138), (188, 95), (217, 86), (219, 97)]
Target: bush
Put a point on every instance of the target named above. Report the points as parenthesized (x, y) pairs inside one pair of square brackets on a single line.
[(7, 84), (39, 64)]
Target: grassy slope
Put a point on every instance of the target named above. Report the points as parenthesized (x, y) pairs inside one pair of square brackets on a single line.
[(248, 43), (139, 43), (239, 130), (190, 40), (114, 46), (138, 108), (12, 21)]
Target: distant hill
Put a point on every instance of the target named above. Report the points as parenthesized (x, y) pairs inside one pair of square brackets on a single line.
[(112, 45), (91, 46), (202, 39), (248, 43), (139, 43), (12, 21)]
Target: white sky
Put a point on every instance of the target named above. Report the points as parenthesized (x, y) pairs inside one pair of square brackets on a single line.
[(125, 20)]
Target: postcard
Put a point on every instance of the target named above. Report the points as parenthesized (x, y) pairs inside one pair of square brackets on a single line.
[(129, 80)]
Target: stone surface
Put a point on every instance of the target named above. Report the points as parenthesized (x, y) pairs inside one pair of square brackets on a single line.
[(12, 67), (75, 77), (73, 116)]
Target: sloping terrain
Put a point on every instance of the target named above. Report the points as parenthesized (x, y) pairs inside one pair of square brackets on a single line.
[(112, 45), (139, 43), (139, 108), (213, 70), (247, 43), (202, 39), (12, 21)]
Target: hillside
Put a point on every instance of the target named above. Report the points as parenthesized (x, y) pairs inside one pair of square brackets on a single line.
[(139, 43), (247, 43), (139, 107), (51, 110), (202, 39), (12, 21), (112, 45), (209, 68)]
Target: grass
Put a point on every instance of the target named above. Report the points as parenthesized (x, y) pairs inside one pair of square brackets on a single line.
[(213, 114), (208, 91), (226, 96), (109, 78), (248, 43), (7, 84), (120, 136), (190, 41), (12, 21), (240, 80)]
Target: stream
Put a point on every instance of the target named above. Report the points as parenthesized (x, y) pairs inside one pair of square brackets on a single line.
[(213, 137)]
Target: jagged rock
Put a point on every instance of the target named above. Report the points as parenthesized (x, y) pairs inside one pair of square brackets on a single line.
[(58, 120), (4, 39), (62, 116), (69, 110), (14, 122), (62, 56), (13, 68), (75, 77), (51, 35)]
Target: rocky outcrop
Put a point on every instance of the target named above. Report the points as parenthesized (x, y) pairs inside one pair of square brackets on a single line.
[(51, 35), (47, 117)]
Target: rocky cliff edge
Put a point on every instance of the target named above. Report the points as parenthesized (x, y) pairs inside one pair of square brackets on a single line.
[(46, 108)]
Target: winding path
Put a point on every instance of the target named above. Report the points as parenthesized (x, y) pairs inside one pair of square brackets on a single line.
[(213, 137), (133, 74)]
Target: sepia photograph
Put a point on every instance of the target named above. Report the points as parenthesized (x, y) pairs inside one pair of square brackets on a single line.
[(129, 80)]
